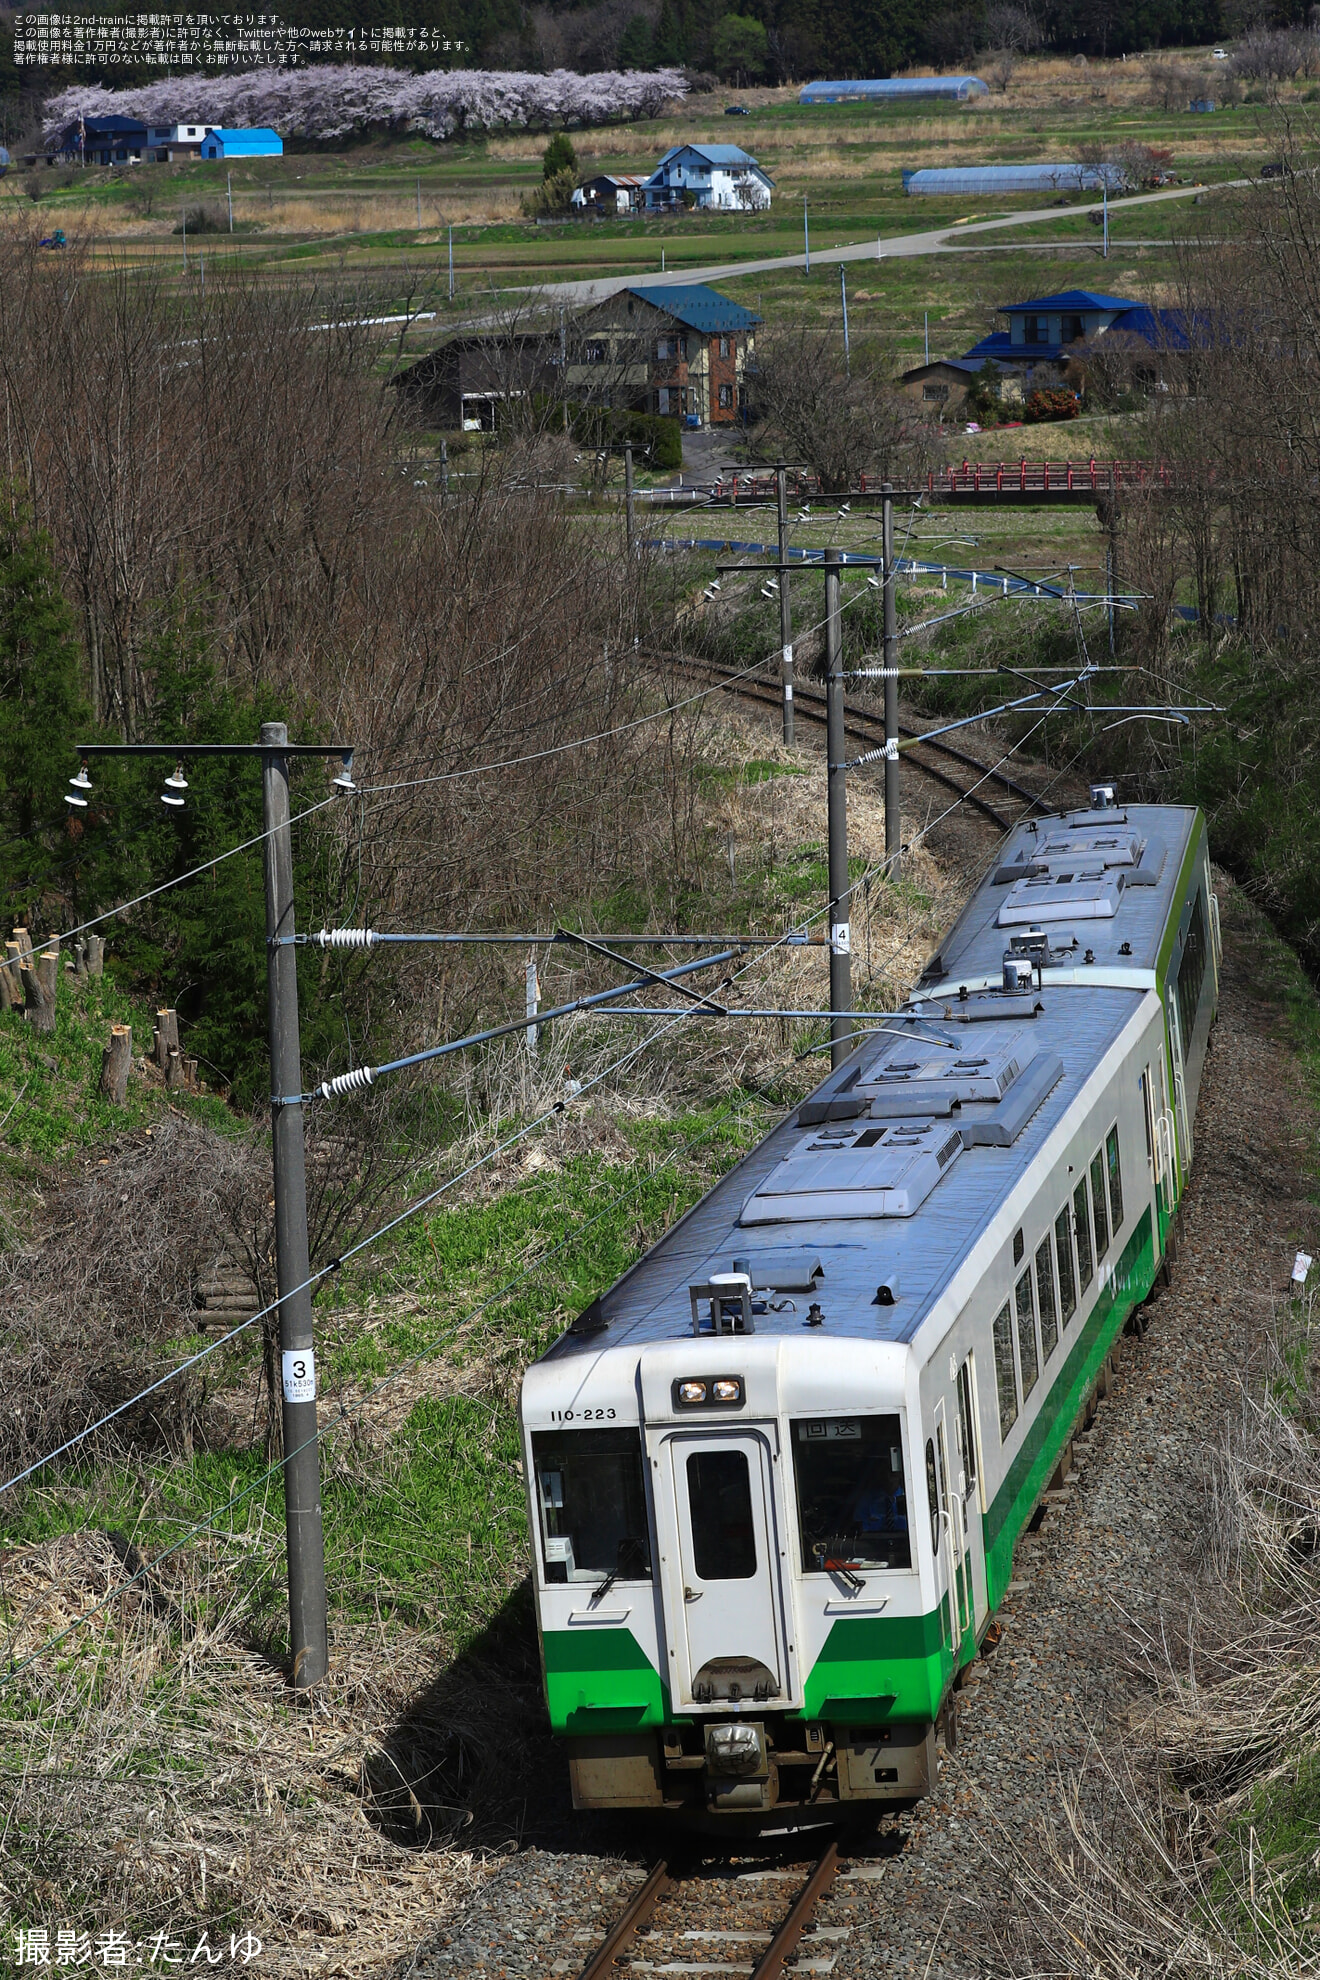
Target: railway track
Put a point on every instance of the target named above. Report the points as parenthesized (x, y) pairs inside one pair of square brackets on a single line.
[(809, 704), (667, 1928)]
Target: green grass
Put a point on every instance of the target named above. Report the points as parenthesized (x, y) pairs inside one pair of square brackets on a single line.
[(50, 1081)]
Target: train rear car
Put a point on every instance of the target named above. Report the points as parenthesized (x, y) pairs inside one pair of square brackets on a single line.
[(778, 1471)]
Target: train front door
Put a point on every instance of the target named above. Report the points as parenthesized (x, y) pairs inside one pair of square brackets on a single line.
[(729, 1641)]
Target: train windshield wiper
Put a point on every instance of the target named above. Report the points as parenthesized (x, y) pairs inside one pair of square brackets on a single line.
[(602, 1588)]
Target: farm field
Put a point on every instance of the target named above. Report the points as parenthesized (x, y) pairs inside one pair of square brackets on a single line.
[(378, 214)]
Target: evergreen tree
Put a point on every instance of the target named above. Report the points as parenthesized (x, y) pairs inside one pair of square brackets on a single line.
[(558, 156), (667, 49), (635, 47), (43, 712)]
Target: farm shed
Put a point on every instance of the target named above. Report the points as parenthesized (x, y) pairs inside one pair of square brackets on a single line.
[(980, 181), (908, 89)]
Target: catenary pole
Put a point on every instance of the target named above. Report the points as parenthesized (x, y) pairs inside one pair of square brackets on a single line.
[(308, 1637), (785, 608), (840, 933), (893, 828)]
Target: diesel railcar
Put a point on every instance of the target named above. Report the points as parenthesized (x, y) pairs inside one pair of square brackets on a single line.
[(777, 1472)]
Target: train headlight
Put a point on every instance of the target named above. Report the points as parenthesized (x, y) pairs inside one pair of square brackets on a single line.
[(710, 1392)]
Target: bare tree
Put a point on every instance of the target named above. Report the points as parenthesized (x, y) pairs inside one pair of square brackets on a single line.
[(841, 417)]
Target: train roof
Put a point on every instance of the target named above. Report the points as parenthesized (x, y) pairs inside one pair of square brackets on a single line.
[(868, 1196)]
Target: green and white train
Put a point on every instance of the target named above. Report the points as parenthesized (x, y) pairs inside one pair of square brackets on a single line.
[(778, 1471)]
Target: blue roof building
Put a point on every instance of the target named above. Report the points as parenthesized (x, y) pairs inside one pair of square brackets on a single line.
[(895, 89), (259, 142), (1040, 331), (718, 176), (696, 307)]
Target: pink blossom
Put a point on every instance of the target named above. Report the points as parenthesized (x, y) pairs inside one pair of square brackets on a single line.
[(322, 104)]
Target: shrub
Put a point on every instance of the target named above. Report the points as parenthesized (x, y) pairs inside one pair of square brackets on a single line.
[(553, 195), (1055, 403), (558, 156)]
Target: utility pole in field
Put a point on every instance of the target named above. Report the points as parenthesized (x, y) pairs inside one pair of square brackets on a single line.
[(229, 191), (840, 932), (785, 608), (451, 264), (628, 495), (893, 828), (305, 1546), (806, 236), (843, 301)]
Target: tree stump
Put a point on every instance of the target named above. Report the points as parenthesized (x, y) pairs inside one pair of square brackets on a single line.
[(95, 955), (115, 1062), (174, 1072), (40, 977), (166, 1038)]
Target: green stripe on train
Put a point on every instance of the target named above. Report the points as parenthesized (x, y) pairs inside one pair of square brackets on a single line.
[(881, 1668), (601, 1680)]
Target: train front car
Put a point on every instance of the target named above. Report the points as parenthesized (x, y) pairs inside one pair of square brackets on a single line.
[(776, 1473)]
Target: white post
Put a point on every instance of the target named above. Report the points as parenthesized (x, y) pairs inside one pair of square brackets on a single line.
[(927, 336), (973, 584), (229, 188), (533, 1000)]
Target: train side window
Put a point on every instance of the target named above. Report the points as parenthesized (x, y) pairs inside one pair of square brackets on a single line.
[(1085, 1256), (1049, 1315), (933, 1496), (1115, 1178), (966, 1426), (1005, 1377), (720, 1511), (1067, 1277), (852, 1497), (1098, 1209), (590, 1490), (1028, 1359)]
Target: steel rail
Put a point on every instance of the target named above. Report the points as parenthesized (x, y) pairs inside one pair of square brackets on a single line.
[(629, 1923), (811, 706), (770, 1966)]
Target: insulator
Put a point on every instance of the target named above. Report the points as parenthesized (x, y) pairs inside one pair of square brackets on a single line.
[(345, 938), (345, 1083)]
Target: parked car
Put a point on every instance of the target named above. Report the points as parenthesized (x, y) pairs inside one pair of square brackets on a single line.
[(736, 110), (1221, 54)]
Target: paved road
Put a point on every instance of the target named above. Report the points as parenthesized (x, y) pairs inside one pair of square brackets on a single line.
[(936, 240)]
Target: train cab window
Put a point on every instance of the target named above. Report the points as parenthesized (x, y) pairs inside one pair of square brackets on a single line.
[(1098, 1204), (1067, 1277), (1085, 1256), (852, 1497), (720, 1511), (1005, 1375), (1028, 1359), (933, 1496), (589, 1486), (1115, 1178), (1049, 1316)]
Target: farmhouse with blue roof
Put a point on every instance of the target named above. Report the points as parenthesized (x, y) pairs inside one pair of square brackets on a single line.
[(1042, 336), (722, 177)]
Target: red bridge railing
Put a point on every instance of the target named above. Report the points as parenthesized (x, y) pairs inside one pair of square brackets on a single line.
[(1021, 477)]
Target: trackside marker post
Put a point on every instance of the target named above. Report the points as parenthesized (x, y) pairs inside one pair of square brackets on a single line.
[(840, 931)]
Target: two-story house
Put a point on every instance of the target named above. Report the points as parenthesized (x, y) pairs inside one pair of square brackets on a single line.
[(679, 348), (721, 177)]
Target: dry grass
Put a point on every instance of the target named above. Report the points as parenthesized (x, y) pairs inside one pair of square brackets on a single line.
[(1158, 1867)]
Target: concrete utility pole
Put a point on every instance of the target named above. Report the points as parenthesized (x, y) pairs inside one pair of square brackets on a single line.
[(229, 189), (785, 609), (304, 1539), (893, 828), (843, 300), (628, 495), (840, 932), (308, 1634), (451, 264), (806, 235)]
